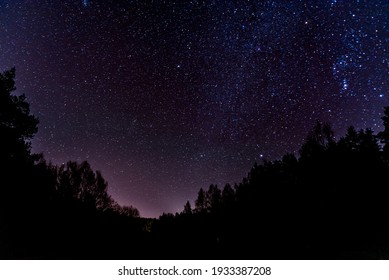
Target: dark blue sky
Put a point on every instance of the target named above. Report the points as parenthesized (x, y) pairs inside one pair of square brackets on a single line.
[(165, 97)]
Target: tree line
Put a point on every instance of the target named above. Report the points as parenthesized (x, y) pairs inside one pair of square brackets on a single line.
[(41, 203), (330, 202)]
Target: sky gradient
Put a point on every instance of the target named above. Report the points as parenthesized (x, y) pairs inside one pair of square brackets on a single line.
[(165, 97)]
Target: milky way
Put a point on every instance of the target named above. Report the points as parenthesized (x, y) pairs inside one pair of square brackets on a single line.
[(166, 97)]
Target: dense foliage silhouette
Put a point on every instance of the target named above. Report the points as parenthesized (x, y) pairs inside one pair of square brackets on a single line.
[(330, 202), (49, 211)]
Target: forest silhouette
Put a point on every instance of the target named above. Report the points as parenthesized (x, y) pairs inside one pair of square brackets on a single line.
[(330, 202)]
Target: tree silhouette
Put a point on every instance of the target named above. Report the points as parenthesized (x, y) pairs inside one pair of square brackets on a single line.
[(384, 135), (80, 182), (200, 201), (21, 197), (187, 209), (318, 140), (213, 198), (368, 143), (228, 197), (17, 125), (328, 203), (43, 205), (351, 141), (129, 211)]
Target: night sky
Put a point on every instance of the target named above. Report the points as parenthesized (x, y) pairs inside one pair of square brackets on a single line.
[(165, 97)]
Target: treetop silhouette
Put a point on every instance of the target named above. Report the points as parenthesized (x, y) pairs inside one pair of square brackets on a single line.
[(17, 125)]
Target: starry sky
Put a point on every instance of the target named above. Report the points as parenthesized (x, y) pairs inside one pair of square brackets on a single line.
[(165, 97)]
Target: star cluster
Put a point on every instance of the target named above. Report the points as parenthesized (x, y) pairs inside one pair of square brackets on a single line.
[(165, 97)]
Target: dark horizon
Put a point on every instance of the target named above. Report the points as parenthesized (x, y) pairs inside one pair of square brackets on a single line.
[(166, 98)]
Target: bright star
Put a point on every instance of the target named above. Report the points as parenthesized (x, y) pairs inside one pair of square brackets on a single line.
[(345, 84)]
